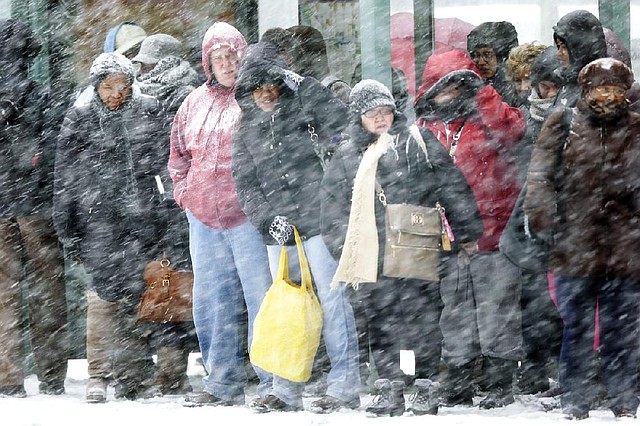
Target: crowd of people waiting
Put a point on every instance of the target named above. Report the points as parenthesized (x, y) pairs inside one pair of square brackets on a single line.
[(516, 144)]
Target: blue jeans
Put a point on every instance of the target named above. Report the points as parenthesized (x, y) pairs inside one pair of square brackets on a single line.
[(619, 313), (339, 325), (228, 265)]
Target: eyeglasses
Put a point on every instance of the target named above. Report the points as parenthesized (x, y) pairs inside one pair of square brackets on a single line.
[(608, 90), (378, 111), (486, 55), (219, 59)]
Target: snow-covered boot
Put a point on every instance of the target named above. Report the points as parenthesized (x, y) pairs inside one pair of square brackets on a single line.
[(389, 400)]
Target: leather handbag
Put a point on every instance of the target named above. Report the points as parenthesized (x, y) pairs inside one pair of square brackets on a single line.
[(287, 328), (168, 294), (413, 241)]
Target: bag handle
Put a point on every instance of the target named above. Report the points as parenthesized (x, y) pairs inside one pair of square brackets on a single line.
[(305, 272)]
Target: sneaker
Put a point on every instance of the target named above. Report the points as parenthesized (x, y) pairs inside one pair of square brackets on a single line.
[(96, 391), (271, 403), (497, 398), (623, 413), (51, 388), (199, 399), (426, 398), (328, 404), (389, 400), (14, 391), (575, 413)]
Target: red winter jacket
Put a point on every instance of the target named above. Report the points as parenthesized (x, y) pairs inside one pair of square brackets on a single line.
[(201, 138), (485, 149)]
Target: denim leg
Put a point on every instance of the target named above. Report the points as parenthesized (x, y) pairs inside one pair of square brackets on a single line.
[(339, 328), (252, 263), (217, 310), (619, 314), (577, 367)]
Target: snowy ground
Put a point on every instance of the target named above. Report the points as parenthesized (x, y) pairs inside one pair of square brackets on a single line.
[(71, 410)]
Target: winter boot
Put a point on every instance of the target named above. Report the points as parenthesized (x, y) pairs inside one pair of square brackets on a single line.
[(426, 398), (389, 400), (171, 376), (458, 388), (500, 383), (96, 390)]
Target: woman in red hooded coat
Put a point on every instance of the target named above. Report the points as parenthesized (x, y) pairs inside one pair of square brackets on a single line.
[(480, 288)]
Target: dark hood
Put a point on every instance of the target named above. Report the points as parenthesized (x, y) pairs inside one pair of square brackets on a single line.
[(261, 64), (500, 36), (582, 32), (544, 68)]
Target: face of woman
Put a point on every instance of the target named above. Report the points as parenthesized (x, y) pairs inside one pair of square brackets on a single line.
[(378, 120), (114, 91), (266, 97), (225, 65)]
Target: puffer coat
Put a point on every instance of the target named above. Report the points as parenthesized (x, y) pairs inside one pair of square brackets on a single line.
[(275, 166), (405, 176), (106, 199)]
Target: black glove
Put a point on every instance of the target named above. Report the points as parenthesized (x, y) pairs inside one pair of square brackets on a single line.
[(290, 78), (281, 230)]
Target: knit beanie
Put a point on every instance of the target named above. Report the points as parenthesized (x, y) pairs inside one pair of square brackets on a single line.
[(369, 94), (605, 72), (156, 47), (111, 63)]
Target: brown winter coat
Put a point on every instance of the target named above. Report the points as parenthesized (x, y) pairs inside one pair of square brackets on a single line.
[(593, 218)]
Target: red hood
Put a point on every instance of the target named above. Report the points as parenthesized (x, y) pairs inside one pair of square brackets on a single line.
[(440, 64), (219, 35)]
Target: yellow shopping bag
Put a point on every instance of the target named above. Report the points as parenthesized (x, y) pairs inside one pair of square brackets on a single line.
[(286, 331)]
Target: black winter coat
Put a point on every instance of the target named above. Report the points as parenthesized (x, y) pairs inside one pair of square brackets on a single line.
[(26, 148), (106, 199), (275, 166), (404, 178)]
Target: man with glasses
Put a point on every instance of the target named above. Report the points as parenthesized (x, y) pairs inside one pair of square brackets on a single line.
[(489, 45)]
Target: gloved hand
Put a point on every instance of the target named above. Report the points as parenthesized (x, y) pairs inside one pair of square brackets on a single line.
[(281, 230), (290, 78)]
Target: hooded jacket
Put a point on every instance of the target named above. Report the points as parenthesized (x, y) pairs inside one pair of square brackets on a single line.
[(201, 138), (583, 35), (106, 203), (588, 202), (27, 123), (501, 37), (486, 139), (275, 166)]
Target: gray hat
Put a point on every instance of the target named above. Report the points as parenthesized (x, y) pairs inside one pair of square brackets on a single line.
[(369, 94), (111, 63), (156, 47)]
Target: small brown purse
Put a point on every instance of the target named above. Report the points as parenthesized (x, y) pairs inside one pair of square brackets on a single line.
[(168, 296)]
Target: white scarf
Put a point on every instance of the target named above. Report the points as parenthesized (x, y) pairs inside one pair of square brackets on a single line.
[(359, 258)]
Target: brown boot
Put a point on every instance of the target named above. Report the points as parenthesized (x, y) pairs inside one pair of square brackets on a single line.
[(172, 371)]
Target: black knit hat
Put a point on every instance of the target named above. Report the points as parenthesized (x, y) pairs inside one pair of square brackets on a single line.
[(369, 94)]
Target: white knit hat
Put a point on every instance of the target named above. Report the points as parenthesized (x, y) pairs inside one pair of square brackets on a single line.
[(369, 94), (111, 63)]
